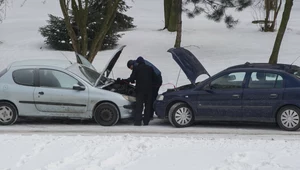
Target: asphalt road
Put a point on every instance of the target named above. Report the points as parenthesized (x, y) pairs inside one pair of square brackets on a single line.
[(156, 127)]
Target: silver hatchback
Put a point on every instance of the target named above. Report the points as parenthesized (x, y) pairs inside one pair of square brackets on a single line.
[(59, 88)]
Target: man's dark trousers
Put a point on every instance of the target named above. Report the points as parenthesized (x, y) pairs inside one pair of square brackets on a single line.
[(155, 90), (142, 98)]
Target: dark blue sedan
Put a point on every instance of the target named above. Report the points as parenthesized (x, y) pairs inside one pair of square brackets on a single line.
[(251, 92)]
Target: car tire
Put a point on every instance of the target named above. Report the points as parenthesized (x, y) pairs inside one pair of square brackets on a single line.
[(8, 113), (106, 114), (181, 115), (288, 118)]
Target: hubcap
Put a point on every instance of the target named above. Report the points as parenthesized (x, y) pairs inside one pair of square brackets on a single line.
[(6, 114), (290, 118), (183, 116), (106, 115)]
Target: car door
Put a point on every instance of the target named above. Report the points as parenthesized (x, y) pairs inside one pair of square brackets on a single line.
[(23, 90), (262, 94), (222, 97), (56, 94)]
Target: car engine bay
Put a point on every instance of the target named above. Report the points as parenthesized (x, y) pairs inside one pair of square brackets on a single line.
[(119, 86)]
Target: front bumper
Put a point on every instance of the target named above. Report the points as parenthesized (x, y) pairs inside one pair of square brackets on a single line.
[(127, 111), (160, 109)]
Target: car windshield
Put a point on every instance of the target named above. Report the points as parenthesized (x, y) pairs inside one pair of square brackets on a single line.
[(90, 74), (87, 74), (3, 72)]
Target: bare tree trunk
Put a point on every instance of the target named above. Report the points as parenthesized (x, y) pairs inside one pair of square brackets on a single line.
[(64, 9), (111, 11), (285, 19), (170, 13), (81, 16), (167, 11), (268, 10), (272, 28), (80, 12), (179, 24)]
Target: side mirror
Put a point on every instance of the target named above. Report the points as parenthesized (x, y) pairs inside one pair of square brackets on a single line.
[(78, 87)]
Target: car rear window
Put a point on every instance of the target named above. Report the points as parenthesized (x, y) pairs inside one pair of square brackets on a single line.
[(3, 72), (24, 77)]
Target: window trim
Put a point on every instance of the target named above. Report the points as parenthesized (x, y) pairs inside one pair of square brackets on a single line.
[(39, 84)]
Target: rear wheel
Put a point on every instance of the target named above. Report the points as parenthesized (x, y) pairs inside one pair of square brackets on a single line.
[(288, 118), (106, 114), (181, 115), (8, 113)]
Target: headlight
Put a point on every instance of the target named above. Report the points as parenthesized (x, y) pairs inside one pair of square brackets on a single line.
[(160, 97), (129, 98)]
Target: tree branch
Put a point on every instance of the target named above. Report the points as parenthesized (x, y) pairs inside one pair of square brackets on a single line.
[(111, 10)]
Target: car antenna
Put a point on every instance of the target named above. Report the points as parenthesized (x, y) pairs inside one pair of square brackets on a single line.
[(295, 60), (66, 57)]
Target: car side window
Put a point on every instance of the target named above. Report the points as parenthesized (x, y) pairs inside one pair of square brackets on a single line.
[(56, 79), (229, 81), (265, 80), (24, 77)]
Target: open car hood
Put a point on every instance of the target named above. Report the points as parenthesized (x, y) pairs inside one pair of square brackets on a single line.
[(110, 65), (188, 63), (107, 69)]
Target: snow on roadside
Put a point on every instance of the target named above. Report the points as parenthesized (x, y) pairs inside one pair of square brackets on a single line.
[(129, 152)]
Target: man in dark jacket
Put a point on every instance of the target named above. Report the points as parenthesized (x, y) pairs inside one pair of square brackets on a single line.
[(157, 81), (143, 76)]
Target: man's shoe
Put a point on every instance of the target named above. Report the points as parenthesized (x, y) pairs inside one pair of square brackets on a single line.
[(137, 124)]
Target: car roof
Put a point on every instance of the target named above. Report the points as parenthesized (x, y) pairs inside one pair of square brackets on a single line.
[(282, 67), (42, 62)]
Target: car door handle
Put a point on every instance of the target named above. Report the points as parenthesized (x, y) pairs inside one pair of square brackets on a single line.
[(273, 96), (41, 93), (237, 96)]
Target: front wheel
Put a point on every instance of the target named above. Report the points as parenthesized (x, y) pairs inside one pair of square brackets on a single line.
[(106, 114), (181, 115), (8, 113), (288, 118)]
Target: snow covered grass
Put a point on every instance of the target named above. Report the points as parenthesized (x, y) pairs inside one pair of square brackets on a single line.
[(49, 152), (29, 147)]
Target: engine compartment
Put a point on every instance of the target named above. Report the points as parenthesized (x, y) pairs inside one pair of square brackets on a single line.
[(121, 87)]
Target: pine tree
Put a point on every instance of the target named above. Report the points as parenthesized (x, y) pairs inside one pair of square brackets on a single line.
[(57, 36), (216, 9)]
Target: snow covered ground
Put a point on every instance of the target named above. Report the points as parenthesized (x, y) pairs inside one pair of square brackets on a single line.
[(41, 146)]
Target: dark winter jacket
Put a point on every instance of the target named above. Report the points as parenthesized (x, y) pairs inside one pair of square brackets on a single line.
[(143, 76), (157, 81)]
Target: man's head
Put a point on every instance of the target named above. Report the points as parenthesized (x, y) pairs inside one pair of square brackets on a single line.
[(130, 64)]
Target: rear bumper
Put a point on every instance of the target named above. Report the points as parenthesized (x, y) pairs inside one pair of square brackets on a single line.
[(160, 109)]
